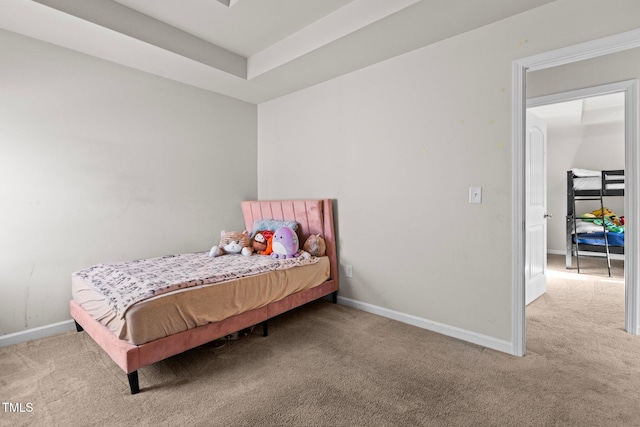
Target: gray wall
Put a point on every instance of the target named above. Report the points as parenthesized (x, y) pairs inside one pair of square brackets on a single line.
[(103, 163), (398, 144)]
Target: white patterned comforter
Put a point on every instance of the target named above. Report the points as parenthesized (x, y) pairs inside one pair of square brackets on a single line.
[(126, 283)]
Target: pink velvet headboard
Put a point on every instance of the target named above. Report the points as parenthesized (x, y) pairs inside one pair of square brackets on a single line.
[(313, 217)]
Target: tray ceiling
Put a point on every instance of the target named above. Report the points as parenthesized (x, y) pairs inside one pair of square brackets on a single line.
[(254, 50)]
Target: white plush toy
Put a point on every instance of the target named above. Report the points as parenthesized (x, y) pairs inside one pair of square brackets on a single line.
[(232, 242)]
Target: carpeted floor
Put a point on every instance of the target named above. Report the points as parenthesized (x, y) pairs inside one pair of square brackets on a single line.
[(331, 365)]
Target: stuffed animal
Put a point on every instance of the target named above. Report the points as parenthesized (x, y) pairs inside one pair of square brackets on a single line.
[(261, 242), (285, 243), (315, 245), (599, 212), (232, 242), (616, 220)]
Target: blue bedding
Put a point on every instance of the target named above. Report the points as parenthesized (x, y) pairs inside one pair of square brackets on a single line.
[(614, 239)]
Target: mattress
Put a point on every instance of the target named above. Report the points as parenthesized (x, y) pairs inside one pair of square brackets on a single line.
[(184, 309), (592, 180)]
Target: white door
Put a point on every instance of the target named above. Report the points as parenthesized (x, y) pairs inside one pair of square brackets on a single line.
[(536, 208)]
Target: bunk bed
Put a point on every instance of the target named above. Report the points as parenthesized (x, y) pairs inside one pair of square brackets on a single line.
[(592, 234)]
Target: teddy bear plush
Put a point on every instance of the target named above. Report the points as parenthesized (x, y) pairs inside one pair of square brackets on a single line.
[(261, 242), (285, 243), (232, 242), (315, 245)]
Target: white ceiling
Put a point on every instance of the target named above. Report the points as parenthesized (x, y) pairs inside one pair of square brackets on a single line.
[(245, 28), (583, 112), (253, 50)]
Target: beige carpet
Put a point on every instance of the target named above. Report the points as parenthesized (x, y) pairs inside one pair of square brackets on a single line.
[(330, 365)]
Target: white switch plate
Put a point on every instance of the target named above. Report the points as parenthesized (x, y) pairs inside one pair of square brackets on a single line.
[(348, 270), (475, 194)]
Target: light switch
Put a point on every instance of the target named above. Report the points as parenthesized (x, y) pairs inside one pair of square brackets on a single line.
[(475, 194)]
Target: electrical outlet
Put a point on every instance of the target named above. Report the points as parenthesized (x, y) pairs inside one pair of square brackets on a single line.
[(348, 270), (475, 194)]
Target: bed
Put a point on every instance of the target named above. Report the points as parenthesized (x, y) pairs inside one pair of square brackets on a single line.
[(196, 311), (592, 235)]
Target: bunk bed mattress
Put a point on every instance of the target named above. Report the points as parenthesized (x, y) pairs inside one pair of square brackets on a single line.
[(184, 309), (592, 180)]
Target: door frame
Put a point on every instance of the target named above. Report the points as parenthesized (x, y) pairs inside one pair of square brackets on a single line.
[(567, 55)]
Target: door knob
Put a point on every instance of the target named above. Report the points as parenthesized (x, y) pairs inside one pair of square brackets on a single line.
[(548, 215)]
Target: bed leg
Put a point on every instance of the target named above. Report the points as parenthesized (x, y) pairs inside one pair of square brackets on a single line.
[(78, 327), (334, 297), (134, 385), (265, 329)]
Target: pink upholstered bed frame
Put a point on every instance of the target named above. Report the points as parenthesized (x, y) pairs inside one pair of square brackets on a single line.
[(313, 216)]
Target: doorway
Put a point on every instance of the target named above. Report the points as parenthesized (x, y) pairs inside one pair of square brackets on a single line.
[(586, 132), (551, 59)]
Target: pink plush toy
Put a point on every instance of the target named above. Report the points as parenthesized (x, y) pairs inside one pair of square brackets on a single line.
[(285, 243)]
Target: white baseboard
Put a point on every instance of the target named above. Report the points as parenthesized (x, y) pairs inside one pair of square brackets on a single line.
[(35, 333), (451, 331), (555, 252), (589, 254)]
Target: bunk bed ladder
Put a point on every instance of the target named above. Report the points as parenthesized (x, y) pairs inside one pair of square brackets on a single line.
[(604, 227), (575, 234)]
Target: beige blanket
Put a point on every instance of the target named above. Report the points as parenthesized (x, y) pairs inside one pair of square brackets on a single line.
[(126, 283), (188, 308)]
